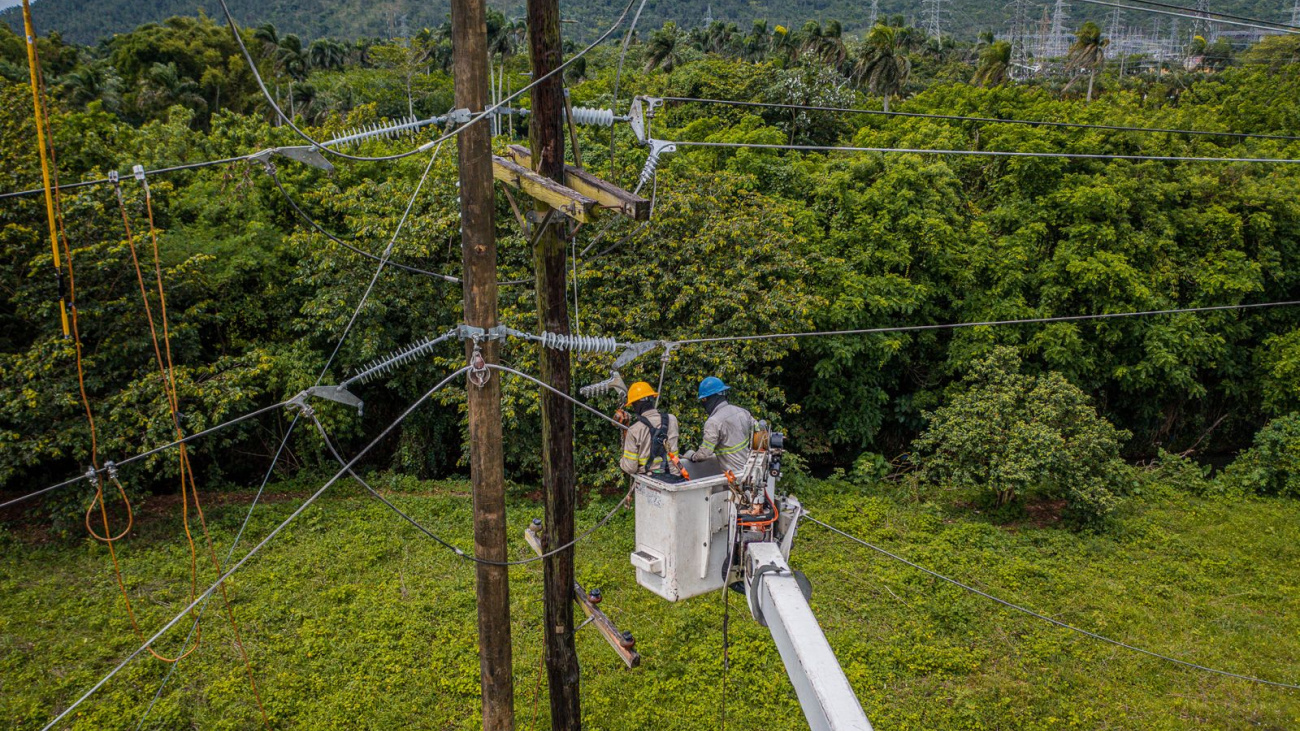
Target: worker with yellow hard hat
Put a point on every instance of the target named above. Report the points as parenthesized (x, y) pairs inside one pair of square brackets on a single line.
[(650, 444)]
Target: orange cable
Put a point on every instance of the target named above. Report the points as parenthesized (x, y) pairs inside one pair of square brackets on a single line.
[(186, 468)]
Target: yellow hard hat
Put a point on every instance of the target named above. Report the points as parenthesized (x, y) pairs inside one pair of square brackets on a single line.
[(638, 391)]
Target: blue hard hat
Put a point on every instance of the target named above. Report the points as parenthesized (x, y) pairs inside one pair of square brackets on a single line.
[(711, 386)]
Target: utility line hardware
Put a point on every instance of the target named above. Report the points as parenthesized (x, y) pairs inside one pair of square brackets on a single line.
[(657, 148), (397, 358), (607, 195), (306, 155), (622, 642)]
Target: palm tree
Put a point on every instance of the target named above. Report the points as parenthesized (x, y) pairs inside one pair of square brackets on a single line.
[(1087, 53), (784, 44), (90, 82), (163, 86), (664, 49), (326, 54), (756, 44), (883, 63), (995, 62), (291, 57), (269, 37)]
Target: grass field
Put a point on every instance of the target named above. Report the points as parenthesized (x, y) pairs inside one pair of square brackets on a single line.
[(355, 620)]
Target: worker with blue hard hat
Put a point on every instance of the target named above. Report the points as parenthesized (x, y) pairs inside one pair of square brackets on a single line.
[(729, 430)]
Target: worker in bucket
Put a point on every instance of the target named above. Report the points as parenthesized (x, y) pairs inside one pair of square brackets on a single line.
[(650, 444), (729, 430)]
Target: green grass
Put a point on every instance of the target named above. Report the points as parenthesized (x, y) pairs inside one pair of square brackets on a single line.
[(354, 620)]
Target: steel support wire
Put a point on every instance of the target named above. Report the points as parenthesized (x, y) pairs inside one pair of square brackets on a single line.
[(254, 550), (988, 153), (468, 557), (1045, 618), (987, 323), (341, 242), (171, 668), (474, 119), (1202, 17), (981, 120), (1215, 13), (104, 181), (143, 455)]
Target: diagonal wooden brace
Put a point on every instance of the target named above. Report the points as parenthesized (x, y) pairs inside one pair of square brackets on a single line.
[(622, 642)]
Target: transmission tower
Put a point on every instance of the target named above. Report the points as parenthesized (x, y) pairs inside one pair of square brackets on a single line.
[(1060, 17), (708, 15), (934, 11), (875, 12), (1203, 28), (1019, 23), (1295, 13)]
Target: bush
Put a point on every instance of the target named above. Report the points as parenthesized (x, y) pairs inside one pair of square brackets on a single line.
[(1008, 435), (1272, 465), (1169, 470)]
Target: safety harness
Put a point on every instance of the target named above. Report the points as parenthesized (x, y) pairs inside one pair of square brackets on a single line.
[(658, 442)]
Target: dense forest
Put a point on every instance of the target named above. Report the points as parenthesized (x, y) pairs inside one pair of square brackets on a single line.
[(92, 22), (742, 241)]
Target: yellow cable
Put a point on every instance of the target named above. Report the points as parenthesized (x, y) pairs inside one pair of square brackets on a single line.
[(38, 113)]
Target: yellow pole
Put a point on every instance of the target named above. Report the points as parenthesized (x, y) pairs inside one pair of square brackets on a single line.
[(38, 117)]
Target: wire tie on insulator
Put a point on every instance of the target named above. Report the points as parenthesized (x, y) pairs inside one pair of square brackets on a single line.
[(111, 468), (92, 476)]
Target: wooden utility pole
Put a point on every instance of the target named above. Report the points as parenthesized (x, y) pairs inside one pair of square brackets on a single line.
[(546, 135), (487, 471)]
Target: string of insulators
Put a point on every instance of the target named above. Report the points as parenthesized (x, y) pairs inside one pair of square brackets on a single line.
[(648, 170), (389, 131), (395, 359), (597, 117), (574, 343)]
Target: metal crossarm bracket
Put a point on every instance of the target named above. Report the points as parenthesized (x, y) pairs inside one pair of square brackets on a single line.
[(640, 114), (479, 335), (337, 394), (637, 350), (305, 155)]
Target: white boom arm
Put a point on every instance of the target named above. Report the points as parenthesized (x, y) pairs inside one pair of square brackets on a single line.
[(777, 601)]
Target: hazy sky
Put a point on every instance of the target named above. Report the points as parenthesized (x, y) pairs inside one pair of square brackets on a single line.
[(9, 3)]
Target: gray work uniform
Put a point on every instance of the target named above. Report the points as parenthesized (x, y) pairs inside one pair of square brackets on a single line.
[(728, 435), (638, 441)]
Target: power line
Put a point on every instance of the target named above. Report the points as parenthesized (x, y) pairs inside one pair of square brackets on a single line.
[(1046, 618), (307, 218), (454, 549), (986, 120), (143, 455), (104, 181), (253, 551), (350, 247), (986, 323), (474, 119), (1217, 14), (1191, 15), (990, 153), (230, 553)]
